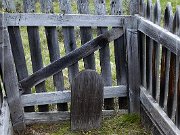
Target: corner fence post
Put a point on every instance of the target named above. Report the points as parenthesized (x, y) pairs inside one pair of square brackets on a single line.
[(10, 81), (133, 70)]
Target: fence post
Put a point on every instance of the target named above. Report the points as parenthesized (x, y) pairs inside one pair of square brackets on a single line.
[(11, 85), (134, 6), (133, 70)]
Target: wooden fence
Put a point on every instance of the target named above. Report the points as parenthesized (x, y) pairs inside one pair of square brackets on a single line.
[(146, 58)]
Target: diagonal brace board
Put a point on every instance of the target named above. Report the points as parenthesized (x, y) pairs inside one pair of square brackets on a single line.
[(71, 58)]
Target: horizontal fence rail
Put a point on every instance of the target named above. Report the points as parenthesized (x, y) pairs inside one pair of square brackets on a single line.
[(34, 19), (65, 96), (160, 35), (158, 114)]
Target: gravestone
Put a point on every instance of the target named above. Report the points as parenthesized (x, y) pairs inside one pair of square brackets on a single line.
[(86, 101)]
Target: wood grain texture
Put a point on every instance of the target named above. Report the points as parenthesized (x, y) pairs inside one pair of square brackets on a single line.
[(86, 34), (86, 101), (133, 70), (5, 120), (18, 51), (149, 49), (71, 58), (120, 54), (56, 117), (84, 20), (35, 49), (53, 46), (134, 7), (69, 39), (65, 96), (160, 35), (156, 55), (163, 121), (11, 85), (104, 53), (165, 60)]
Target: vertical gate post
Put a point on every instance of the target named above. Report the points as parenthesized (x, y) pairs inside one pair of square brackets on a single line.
[(133, 71), (11, 84)]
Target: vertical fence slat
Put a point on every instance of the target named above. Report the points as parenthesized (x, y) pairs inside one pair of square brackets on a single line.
[(11, 86), (165, 60), (104, 53), (69, 39), (120, 54), (18, 52), (35, 49), (134, 7), (149, 49), (156, 54), (86, 34), (142, 44), (175, 109), (133, 70), (53, 47)]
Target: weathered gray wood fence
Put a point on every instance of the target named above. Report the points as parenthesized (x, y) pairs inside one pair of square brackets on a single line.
[(145, 55)]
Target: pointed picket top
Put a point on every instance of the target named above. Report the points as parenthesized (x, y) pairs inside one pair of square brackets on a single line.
[(116, 7), (9, 5), (65, 6), (157, 12), (176, 22), (83, 6), (29, 6), (47, 6), (168, 17), (141, 7), (100, 7), (149, 10)]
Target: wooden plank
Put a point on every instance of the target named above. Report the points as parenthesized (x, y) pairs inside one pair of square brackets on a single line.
[(156, 55), (36, 19), (54, 117), (86, 34), (86, 101), (53, 47), (69, 39), (133, 70), (11, 85), (120, 54), (142, 45), (160, 35), (65, 96), (5, 120), (149, 49), (18, 52), (134, 7), (161, 118), (35, 49), (165, 60), (104, 53), (71, 58)]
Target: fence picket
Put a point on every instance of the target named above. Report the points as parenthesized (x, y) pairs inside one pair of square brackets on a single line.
[(53, 46), (69, 39), (149, 50), (86, 34), (165, 61), (156, 55), (104, 53), (35, 49), (120, 54)]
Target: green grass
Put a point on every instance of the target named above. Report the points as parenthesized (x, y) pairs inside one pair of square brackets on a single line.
[(118, 125)]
